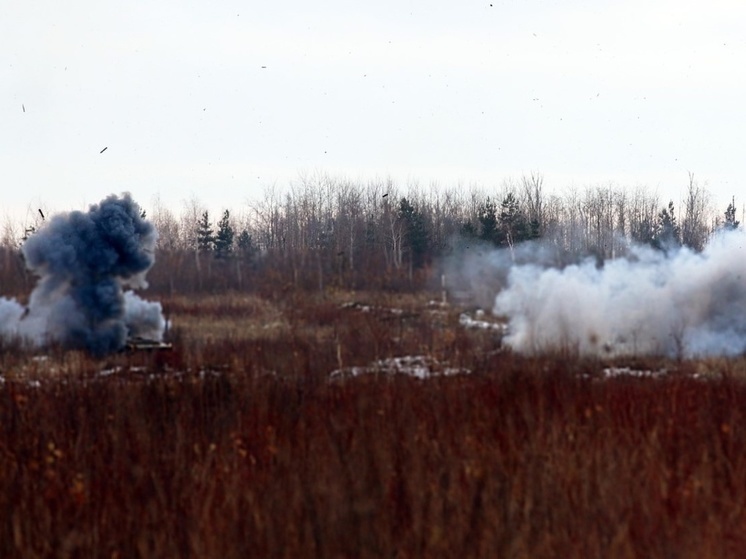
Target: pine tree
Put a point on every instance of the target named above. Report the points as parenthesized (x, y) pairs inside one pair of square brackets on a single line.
[(487, 215), (513, 224), (416, 232), (205, 237), (668, 233), (467, 230), (245, 243), (224, 238), (730, 217)]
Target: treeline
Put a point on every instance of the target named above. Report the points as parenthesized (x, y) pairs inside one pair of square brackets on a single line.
[(326, 232)]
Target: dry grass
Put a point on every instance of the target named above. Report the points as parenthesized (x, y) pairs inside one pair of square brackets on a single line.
[(235, 444)]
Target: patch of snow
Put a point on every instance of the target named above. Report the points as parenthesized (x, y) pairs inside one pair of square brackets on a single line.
[(354, 305), (119, 369), (473, 324), (611, 372), (417, 366)]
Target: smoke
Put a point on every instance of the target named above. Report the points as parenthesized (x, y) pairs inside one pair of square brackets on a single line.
[(477, 271), (650, 302), (84, 261)]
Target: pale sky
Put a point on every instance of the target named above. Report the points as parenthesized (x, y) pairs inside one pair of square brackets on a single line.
[(219, 100)]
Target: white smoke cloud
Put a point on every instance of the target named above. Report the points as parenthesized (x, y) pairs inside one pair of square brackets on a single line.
[(10, 316), (679, 303), (144, 319)]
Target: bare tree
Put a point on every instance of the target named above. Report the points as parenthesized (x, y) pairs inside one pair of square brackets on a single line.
[(694, 229), (169, 237), (620, 237), (11, 237), (533, 186), (643, 216), (351, 226)]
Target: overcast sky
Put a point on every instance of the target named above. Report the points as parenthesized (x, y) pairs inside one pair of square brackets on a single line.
[(220, 99)]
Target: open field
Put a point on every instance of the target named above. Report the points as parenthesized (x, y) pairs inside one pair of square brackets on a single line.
[(285, 428)]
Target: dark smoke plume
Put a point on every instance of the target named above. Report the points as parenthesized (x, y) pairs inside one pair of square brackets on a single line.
[(84, 261)]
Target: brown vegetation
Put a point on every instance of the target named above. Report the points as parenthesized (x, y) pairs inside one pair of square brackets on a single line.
[(237, 444), (240, 442)]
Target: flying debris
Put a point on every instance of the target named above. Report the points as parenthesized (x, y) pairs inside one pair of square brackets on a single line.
[(103, 150), (384, 196), (41, 213), (23, 107)]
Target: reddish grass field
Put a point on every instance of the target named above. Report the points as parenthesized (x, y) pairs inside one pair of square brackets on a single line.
[(236, 444)]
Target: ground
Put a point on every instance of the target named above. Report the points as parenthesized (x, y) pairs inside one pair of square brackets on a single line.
[(365, 425)]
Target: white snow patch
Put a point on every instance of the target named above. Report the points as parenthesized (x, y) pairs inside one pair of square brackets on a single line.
[(473, 324), (417, 366), (611, 372), (355, 305)]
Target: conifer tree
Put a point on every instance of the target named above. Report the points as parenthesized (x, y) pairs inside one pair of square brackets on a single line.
[(730, 223), (668, 233), (488, 220), (205, 237), (416, 232), (224, 238)]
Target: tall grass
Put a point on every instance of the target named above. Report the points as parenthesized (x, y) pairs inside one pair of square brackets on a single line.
[(241, 447)]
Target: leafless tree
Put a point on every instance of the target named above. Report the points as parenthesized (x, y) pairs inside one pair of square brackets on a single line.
[(694, 229), (169, 234), (644, 208), (533, 186)]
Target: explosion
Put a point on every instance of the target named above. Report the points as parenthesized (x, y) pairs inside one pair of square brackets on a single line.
[(84, 262)]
